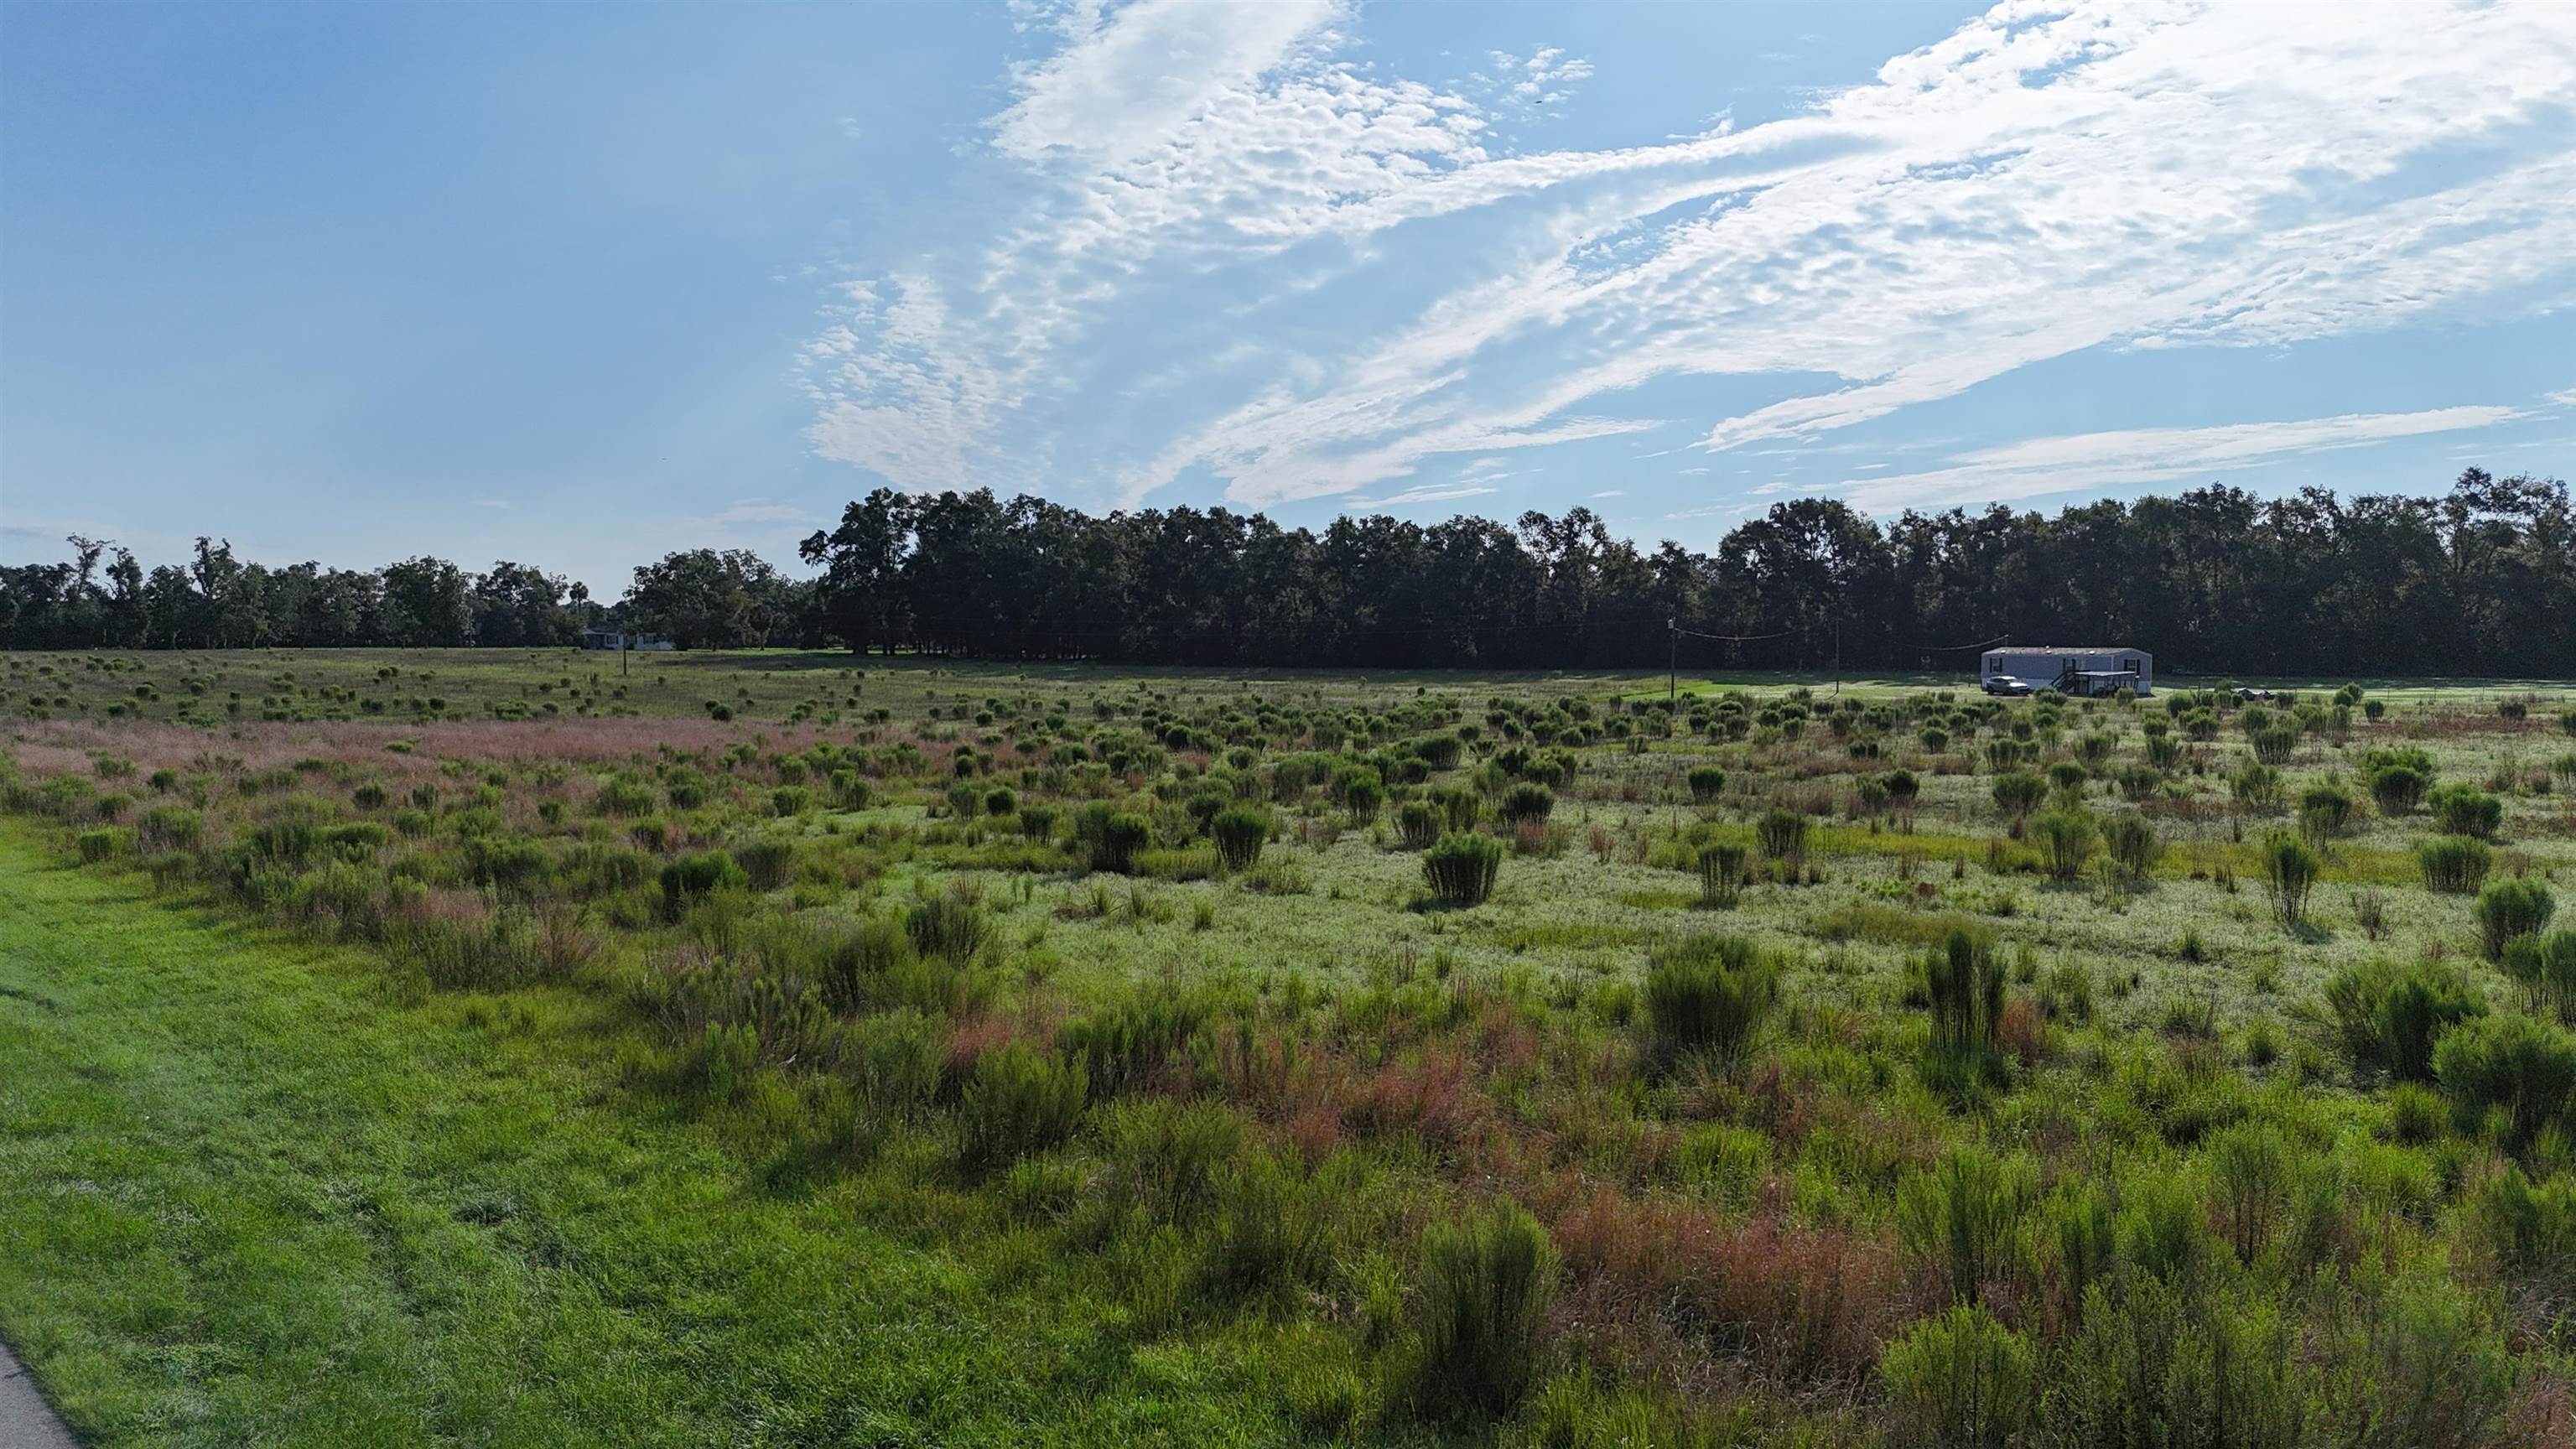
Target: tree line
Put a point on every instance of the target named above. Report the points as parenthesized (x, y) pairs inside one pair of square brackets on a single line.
[(2478, 580)]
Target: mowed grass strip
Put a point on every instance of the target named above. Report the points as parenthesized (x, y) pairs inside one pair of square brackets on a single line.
[(246, 1198)]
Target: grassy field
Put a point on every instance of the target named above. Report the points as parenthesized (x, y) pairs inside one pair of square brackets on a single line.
[(794, 1049)]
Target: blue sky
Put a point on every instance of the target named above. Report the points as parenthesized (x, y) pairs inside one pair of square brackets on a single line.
[(579, 284)]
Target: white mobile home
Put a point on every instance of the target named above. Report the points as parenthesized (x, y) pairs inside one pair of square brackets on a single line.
[(602, 637), (2073, 670)]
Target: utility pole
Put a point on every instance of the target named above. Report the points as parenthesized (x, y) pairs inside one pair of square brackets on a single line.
[(1672, 661), (1838, 656)]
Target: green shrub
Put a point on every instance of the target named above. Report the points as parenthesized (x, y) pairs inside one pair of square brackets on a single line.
[(1128, 1043), (1240, 833), (2466, 810), (2325, 811), (2019, 793), (2275, 745), (2391, 1017), (2256, 786), (1018, 1102), (2515, 906), (169, 827), (2546, 970), (98, 846), (1274, 1225), (1963, 984), (1487, 1282), (1418, 823), (369, 796), (1461, 868), (511, 864), (1709, 994), (2132, 842), (2509, 1068), (1524, 803), (1958, 1381), (1707, 782), (2290, 872), (1001, 801), (1361, 790), (2249, 1185), (2066, 841), (1037, 821), (693, 878), (1961, 1215), (1110, 837), (1721, 873), (950, 927), (2397, 788), (2454, 864), (767, 862), (625, 797), (1782, 835)]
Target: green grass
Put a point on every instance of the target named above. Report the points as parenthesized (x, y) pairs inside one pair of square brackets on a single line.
[(1121, 1158), (245, 1197)]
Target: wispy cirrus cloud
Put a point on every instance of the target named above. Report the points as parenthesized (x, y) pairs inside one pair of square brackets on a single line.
[(2046, 180), (2037, 467)]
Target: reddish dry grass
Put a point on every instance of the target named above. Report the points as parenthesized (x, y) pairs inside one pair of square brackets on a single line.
[(1795, 1304), (64, 746)]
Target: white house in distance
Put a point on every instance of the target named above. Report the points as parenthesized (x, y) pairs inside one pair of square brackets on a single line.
[(602, 637), (2075, 670)]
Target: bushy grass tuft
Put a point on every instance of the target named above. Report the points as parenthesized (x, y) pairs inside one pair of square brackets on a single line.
[(1461, 868), (1709, 994), (1487, 1282)]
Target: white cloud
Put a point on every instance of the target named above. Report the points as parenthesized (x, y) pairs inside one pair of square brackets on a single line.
[(2565, 398), (2046, 180), (2036, 467), (1412, 496), (1127, 82)]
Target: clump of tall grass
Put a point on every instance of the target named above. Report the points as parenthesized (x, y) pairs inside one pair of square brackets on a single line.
[(1487, 1282), (692, 878), (1960, 1380), (2132, 844), (1461, 868), (2389, 1017), (1721, 873), (1019, 1101), (1962, 983), (2510, 908), (2466, 810), (1707, 782), (2512, 1070), (950, 926), (2290, 871), (1240, 832), (1525, 803), (2019, 793), (2454, 864), (1709, 994), (2067, 838), (1418, 824), (1110, 837), (2545, 968), (1961, 1216), (1782, 834)]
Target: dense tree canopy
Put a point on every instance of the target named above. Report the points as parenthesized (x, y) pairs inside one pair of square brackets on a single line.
[(2480, 580)]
